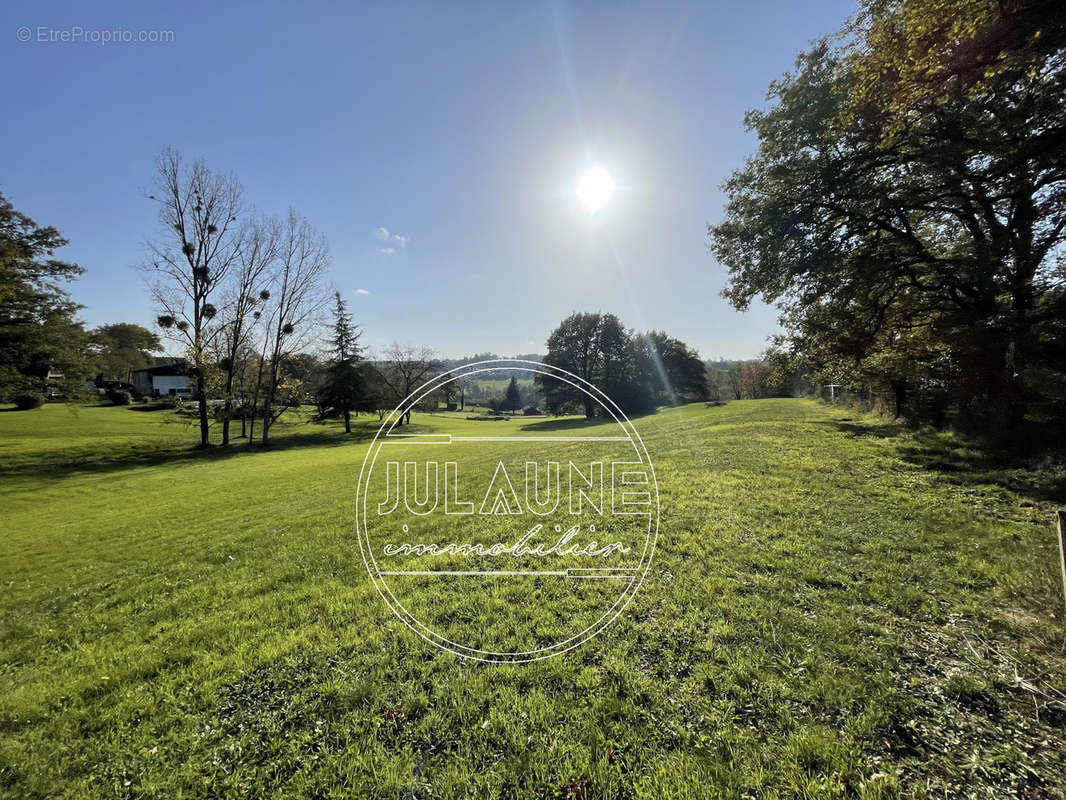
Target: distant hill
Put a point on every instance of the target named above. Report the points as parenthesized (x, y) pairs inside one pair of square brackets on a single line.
[(492, 375)]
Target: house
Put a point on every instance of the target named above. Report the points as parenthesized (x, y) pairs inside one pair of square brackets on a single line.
[(163, 380), (53, 384)]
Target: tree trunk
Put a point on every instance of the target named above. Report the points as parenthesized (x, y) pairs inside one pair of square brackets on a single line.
[(899, 393), (227, 408), (347, 421), (201, 389), (267, 411)]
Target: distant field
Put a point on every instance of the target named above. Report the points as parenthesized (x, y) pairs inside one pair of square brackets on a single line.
[(496, 387), (836, 609)]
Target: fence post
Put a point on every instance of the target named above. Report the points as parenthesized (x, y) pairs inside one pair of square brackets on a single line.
[(1062, 549)]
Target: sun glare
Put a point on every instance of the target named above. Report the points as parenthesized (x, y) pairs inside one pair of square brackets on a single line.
[(595, 188)]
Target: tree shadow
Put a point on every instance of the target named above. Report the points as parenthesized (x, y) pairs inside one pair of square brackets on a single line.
[(64, 466), (885, 430), (564, 424), (1030, 460)]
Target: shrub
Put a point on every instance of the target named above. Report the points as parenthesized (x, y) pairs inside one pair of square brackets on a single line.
[(28, 400), (531, 411), (120, 397)]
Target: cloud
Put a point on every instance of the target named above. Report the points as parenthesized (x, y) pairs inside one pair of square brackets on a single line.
[(361, 291), (391, 240)]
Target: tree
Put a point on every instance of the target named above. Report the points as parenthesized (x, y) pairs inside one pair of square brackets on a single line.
[(574, 347), (199, 244), (600, 350), (121, 347), (303, 258), (513, 397), (343, 390), (403, 369), (755, 380), (39, 332), (914, 53), (893, 194), (677, 372), (248, 293)]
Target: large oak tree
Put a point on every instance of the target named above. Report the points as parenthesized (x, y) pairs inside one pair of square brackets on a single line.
[(906, 200)]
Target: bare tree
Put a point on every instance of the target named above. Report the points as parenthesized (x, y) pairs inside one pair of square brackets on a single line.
[(755, 379), (733, 379), (251, 274), (303, 258), (403, 369), (199, 245)]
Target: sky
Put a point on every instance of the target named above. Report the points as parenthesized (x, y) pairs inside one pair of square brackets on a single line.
[(437, 145)]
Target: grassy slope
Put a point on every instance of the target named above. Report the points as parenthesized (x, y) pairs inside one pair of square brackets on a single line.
[(825, 616)]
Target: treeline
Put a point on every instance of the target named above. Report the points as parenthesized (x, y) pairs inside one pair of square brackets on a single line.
[(906, 209), (753, 380), (638, 371)]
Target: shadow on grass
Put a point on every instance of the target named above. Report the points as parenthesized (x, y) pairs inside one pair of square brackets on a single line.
[(570, 423), (106, 462), (563, 424), (1030, 461)]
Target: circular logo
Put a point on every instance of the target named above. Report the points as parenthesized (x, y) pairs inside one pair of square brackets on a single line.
[(507, 537)]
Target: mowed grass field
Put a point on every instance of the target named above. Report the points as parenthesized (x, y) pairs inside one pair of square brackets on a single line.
[(836, 609)]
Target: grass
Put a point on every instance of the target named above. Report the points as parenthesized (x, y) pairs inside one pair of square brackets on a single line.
[(831, 613)]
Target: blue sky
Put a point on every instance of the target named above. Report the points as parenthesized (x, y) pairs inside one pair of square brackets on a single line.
[(461, 127)]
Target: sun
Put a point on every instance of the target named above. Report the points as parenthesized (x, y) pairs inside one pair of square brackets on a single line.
[(595, 188)]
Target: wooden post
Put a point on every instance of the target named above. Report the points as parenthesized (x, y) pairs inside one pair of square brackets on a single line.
[(1062, 549)]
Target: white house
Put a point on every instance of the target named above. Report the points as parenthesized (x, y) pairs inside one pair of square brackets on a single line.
[(166, 379)]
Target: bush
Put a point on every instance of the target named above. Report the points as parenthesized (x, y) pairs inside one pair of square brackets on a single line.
[(120, 397), (531, 411), (28, 400)]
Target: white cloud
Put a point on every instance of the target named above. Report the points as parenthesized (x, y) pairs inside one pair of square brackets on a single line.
[(392, 240), (361, 291)]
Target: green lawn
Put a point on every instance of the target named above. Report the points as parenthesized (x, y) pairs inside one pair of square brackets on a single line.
[(836, 609)]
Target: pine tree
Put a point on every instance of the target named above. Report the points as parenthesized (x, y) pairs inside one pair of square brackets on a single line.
[(514, 397), (344, 389)]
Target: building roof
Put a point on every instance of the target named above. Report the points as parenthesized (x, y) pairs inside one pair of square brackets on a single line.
[(177, 368)]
